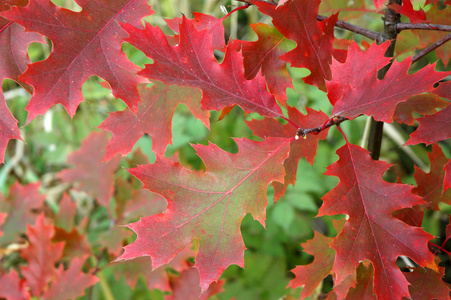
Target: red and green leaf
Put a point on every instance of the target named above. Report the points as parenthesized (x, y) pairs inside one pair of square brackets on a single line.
[(207, 206)]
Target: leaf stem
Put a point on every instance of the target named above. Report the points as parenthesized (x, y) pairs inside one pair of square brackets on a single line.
[(234, 10), (344, 135)]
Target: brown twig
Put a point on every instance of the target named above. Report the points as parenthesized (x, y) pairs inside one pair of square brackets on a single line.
[(303, 132), (431, 47), (422, 26)]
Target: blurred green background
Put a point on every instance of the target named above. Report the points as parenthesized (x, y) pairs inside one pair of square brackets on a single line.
[(272, 252)]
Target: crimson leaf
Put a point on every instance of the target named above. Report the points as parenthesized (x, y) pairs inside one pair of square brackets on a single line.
[(372, 232), (84, 44)]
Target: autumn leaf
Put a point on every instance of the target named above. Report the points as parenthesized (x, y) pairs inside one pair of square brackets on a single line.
[(432, 129), (428, 37), (70, 283), (192, 63), (201, 22), (364, 284), (264, 54), (447, 180), (155, 278), (427, 284), (430, 185), (13, 287), (372, 232), (186, 286), (397, 86), (21, 206), (207, 206), (312, 275), (75, 243), (2, 220), (154, 117), (424, 104), (415, 16), (66, 214), (378, 3), (14, 41), (89, 173), (348, 75), (85, 43), (8, 127), (297, 21), (298, 148), (41, 256)]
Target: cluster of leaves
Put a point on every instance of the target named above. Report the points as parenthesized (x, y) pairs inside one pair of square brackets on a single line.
[(190, 219)]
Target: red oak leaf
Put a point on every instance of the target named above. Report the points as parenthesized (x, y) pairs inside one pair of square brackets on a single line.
[(372, 232), (186, 286), (70, 283), (13, 288), (41, 256), (348, 75), (131, 204), (428, 37), (427, 284), (298, 148), (310, 276), (412, 216), (263, 55), (2, 220), (89, 172), (296, 20), (158, 278), (75, 244), (364, 286), (192, 63), (378, 3), (8, 127), (432, 128), (447, 180), (397, 86), (430, 185), (443, 90), (85, 43), (154, 117), (201, 22), (20, 206), (14, 41), (424, 104), (415, 16), (207, 206), (66, 214)]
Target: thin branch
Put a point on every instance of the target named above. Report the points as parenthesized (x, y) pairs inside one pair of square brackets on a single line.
[(423, 26), (316, 130), (373, 35), (431, 47)]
